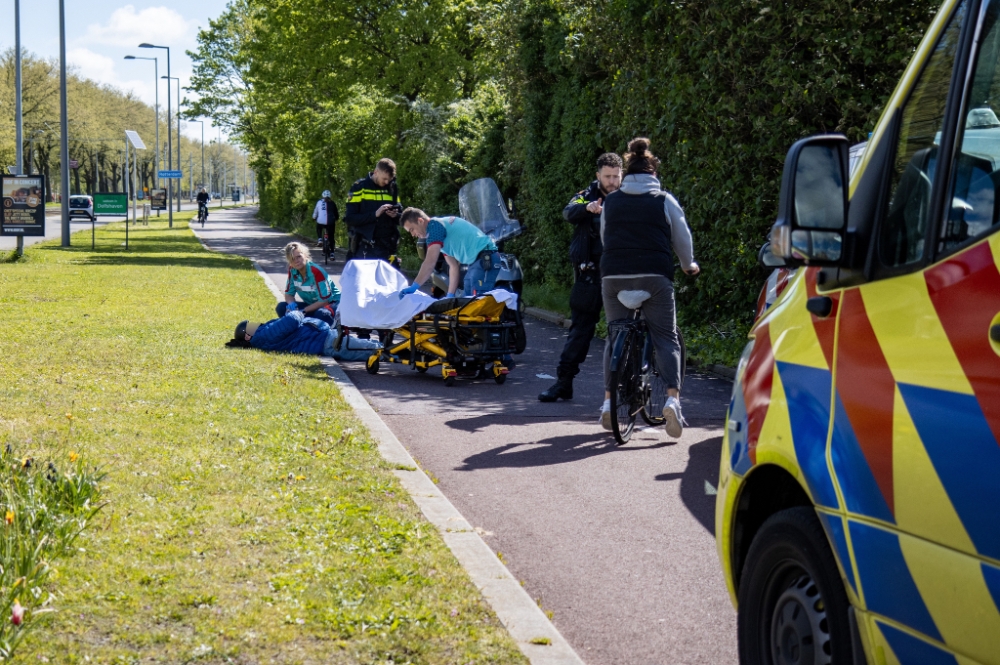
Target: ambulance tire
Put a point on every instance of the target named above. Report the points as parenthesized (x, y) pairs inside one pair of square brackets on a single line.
[(791, 596)]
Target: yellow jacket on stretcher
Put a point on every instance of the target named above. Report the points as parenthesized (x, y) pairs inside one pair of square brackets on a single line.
[(858, 510)]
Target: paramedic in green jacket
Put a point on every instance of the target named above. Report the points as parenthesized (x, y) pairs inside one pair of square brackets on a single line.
[(462, 243)]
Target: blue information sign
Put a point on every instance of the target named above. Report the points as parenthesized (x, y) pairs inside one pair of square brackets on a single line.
[(170, 174)]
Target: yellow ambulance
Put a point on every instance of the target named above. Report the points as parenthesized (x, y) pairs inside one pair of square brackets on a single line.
[(858, 513)]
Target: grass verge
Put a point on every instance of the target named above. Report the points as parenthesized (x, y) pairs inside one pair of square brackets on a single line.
[(249, 518)]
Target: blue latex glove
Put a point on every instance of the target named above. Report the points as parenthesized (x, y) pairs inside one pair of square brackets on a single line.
[(412, 288), (291, 306)]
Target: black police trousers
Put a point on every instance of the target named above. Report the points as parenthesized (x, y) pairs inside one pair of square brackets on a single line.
[(585, 304)]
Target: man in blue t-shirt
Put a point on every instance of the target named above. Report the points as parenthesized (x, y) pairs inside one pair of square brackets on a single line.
[(462, 243)]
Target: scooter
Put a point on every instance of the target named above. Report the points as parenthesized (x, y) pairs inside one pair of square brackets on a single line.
[(481, 203)]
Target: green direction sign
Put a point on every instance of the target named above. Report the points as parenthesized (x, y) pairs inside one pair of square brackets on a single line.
[(111, 204)]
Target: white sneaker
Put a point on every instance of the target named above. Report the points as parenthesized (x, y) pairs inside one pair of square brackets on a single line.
[(672, 414), (606, 415)]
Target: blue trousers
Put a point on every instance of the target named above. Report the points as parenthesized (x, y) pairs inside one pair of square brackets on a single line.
[(478, 280), (324, 314)]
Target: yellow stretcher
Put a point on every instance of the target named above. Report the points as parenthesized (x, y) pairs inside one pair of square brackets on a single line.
[(460, 336)]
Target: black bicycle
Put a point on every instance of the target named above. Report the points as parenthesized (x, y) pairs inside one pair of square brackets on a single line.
[(328, 247), (202, 213), (637, 387)]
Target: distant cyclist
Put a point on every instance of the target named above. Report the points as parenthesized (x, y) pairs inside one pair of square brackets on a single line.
[(326, 215), (642, 226), (202, 199)]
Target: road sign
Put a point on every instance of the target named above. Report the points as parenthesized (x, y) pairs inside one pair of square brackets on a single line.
[(169, 174), (23, 205), (110, 204)]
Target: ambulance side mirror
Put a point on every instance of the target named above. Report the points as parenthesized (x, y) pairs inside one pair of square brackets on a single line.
[(812, 209)]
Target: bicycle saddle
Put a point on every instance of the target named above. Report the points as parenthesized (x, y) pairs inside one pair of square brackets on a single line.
[(633, 299)]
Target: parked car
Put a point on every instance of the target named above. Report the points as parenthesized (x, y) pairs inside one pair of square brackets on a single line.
[(856, 516), (81, 205)]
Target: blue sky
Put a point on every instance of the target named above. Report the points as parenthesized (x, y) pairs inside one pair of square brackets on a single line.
[(100, 33)]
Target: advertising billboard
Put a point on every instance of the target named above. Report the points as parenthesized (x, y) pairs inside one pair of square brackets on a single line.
[(158, 199), (23, 205)]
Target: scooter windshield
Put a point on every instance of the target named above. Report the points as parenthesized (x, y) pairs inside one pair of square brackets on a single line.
[(481, 203)]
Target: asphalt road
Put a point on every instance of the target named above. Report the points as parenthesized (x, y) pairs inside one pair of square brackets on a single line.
[(53, 229), (617, 542)]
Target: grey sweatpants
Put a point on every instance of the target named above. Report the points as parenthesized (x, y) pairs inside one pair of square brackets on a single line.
[(661, 320)]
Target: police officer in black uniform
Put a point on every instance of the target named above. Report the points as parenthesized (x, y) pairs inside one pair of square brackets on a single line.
[(584, 212), (372, 214)]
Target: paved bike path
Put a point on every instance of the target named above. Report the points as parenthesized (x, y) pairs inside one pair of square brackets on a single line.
[(615, 541)]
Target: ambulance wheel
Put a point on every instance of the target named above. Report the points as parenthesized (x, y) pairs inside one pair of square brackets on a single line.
[(449, 380), (792, 604), (373, 363)]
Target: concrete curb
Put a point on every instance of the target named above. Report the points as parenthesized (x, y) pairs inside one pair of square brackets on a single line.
[(536, 636), (546, 315)]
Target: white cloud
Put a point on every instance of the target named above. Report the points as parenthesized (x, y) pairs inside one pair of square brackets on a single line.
[(158, 25), (103, 69)]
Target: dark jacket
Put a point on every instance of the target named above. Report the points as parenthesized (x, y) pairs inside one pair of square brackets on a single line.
[(586, 245), (643, 226), (363, 200), (637, 235), (292, 333)]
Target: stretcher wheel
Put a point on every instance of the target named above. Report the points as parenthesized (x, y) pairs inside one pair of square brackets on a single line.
[(500, 379), (373, 363), (449, 380), (422, 370), (499, 373)]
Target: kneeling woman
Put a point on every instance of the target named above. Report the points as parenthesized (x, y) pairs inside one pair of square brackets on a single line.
[(462, 243), (310, 283)]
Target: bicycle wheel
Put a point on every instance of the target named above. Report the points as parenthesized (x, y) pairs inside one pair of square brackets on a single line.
[(684, 356), (654, 393), (626, 393)]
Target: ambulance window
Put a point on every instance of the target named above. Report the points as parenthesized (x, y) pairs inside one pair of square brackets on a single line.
[(973, 211), (904, 229)]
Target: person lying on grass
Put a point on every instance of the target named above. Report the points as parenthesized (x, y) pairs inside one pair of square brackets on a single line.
[(297, 333)]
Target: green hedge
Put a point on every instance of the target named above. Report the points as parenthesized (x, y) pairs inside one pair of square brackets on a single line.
[(722, 88)]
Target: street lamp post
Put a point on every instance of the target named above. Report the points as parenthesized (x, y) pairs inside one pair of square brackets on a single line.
[(18, 118), (178, 133), (63, 126), (202, 123), (170, 164), (156, 83)]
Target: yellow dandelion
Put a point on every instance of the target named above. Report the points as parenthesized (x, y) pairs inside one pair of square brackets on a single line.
[(69, 416), (300, 477), (9, 517), (73, 456)]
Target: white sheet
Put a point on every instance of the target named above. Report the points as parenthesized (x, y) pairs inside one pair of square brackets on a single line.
[(370, 296)]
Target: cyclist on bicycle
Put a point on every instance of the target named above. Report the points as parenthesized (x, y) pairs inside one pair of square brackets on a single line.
[(202, 199), (642, 226), (326, 215)]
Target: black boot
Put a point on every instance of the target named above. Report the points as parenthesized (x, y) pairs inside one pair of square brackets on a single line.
[(562, 388)]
